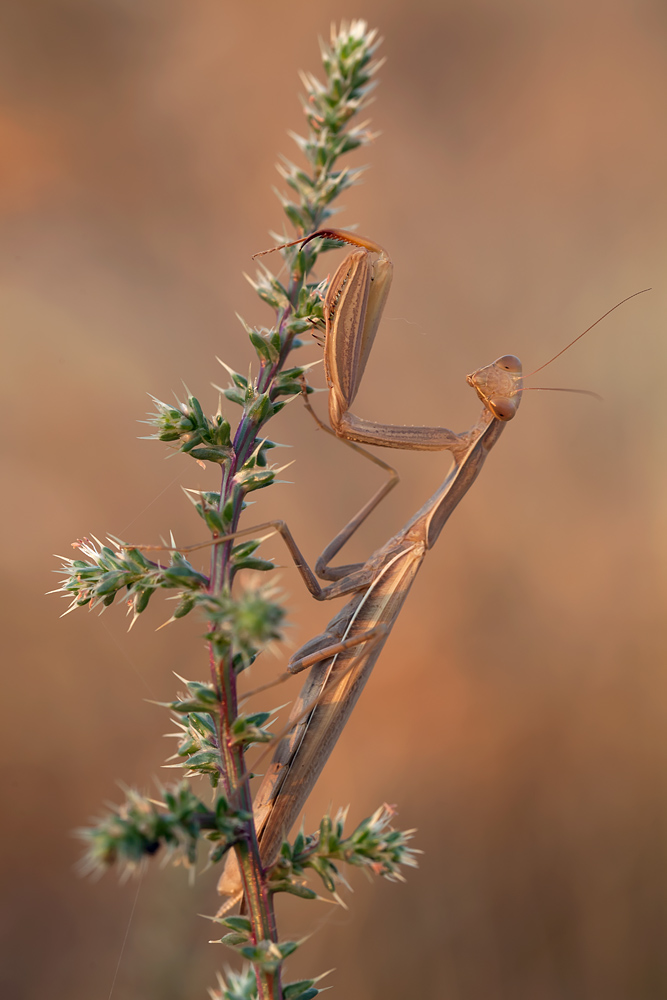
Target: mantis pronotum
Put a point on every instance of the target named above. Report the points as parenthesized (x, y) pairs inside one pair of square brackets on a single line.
[(344, 655)]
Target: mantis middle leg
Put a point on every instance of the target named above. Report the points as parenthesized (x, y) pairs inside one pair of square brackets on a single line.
[(322, 568)]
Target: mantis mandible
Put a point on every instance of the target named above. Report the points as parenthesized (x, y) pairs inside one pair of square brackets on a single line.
[(343, 656)]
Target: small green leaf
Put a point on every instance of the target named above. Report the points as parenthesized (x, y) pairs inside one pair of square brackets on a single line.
[(184, 606), (254, 563), (142, 599), (260, 409), (234, 396), (293, 888), (240, 924), (214, 520), (232, 940), (301, 990), (219, 455), (198, 412), (265, 349), (202, 759)]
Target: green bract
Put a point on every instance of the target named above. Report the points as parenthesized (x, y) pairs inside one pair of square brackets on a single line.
[(140, 827), (373, 845), (106, 571)]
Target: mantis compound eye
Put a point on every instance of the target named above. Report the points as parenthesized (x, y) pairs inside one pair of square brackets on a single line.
[(502, 407), (510, 363)]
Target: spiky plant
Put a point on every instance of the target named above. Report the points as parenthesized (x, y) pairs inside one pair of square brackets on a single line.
[(240, 621)]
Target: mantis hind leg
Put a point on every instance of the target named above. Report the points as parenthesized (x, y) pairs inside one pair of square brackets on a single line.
[(321, 647), (324, 646)]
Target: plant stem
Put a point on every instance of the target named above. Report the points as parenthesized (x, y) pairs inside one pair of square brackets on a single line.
[(328, 115), (235, 776)]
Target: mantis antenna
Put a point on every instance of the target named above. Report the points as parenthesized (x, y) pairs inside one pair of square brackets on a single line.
[(554, 388), (568, 346)]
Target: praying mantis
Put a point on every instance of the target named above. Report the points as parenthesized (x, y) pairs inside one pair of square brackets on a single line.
[(343, 656)]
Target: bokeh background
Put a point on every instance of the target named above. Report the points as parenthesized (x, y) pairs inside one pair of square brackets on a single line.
[(518, 714)]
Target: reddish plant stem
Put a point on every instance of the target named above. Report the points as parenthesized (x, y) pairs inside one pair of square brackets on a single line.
[(235, 776)]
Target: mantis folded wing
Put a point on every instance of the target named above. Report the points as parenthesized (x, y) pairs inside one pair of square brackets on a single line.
[(341, 659)]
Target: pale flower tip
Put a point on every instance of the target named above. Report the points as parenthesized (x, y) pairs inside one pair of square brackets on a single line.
[(336, 901), (164, 624), (230, 371), (283, 467)]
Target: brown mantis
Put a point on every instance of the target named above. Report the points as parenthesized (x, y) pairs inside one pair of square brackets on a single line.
[(343, 657)]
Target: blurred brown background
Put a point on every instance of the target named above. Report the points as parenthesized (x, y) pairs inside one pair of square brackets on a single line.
[(517, 716)]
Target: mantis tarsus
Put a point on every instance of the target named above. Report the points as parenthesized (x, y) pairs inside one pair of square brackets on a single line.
[(343, 656)]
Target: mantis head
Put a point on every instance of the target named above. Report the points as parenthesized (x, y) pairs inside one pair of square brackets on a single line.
[(499, 386)]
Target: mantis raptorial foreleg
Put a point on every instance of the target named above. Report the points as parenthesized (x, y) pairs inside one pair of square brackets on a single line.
[(353, 307)]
